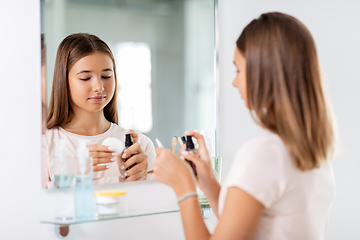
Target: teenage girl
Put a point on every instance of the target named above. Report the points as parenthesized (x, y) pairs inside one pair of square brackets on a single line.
[(281, 185), (83, 106)]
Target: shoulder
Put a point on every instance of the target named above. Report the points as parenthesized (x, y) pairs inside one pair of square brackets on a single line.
[(266, 147), (51, 133), (145, 141), (119, 131), (48, 138), (258, 169), (114, 128)]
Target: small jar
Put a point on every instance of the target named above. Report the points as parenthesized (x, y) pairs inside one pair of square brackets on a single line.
[(107, 202)]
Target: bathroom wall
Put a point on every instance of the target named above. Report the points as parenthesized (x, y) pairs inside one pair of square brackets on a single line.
[(335, 27)]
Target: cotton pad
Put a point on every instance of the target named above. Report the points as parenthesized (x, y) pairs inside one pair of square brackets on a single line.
[(114, 143)]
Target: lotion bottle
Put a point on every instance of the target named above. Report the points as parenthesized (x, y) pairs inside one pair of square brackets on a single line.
[(191, 148), (128, 143), (83, 187)]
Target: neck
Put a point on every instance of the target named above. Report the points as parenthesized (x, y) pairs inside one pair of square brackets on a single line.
[(88, 123)]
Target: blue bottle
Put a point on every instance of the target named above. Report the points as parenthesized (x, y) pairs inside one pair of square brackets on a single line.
[(83, 184)]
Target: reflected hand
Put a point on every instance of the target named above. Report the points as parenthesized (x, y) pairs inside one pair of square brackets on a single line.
[(205, 172), (101, 154), (136, 159), (173, 171)]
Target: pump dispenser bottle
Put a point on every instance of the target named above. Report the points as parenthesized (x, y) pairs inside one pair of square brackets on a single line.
[(60, 169), (191, 148), (83, 188)]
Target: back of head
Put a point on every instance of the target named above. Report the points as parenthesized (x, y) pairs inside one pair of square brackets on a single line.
[(72, 49), (284, 86)]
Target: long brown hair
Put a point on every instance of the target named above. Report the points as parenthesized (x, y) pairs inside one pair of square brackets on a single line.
[(284, 87), (72, 49)]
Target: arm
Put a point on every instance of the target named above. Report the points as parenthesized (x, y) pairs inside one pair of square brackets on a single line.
[(240, 217), (212, 195), (241, 213), (239, 220), (206, 179)]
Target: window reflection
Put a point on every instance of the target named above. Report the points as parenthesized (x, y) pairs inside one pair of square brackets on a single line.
[(133, 62)]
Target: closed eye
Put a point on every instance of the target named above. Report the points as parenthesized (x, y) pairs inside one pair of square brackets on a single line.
[(106, 77), (84, 79)]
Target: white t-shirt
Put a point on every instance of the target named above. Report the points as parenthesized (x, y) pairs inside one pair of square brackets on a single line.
[(110, 175), (297, 204)]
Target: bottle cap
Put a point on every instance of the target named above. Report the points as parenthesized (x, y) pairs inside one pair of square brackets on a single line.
[(110, 193), (128, 140), (189, 143)]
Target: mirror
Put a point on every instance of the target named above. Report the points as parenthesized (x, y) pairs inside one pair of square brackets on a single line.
[(165, 55)]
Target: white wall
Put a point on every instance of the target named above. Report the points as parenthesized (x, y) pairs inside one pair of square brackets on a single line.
[(335, 26)]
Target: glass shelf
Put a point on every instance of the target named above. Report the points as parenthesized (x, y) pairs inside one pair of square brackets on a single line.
[(62, 224), (72, 221)]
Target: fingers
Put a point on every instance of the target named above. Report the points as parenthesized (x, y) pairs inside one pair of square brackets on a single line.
[(101, 154), (97, 161), (159, 151), (133, 149), (136, 177), (100, 168), (139, 169), (119, 158), (163, 154), (192, 157), (183, 148), (135, 159), (134, 135), (99, 148), (199, 137), (103, 157), (137, 172)]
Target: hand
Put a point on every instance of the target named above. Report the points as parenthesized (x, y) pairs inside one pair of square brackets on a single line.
[(135, 158), (173, 171), (205, 173), (101, 154)]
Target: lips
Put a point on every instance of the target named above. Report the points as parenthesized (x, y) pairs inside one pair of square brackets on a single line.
[(97, 98)]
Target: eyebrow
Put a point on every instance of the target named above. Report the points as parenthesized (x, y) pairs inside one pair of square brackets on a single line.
[(88, 71)]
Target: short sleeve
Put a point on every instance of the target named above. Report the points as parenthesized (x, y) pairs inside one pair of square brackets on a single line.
[(46, 182), (258, 170)]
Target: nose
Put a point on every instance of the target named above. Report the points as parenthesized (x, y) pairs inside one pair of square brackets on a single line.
[(234, 82), (98, 85)]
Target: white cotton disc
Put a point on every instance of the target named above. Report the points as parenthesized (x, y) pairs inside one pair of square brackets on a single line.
[(115, 143)]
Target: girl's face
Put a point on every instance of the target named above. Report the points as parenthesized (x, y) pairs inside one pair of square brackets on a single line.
[(92, 82), (240, 79)]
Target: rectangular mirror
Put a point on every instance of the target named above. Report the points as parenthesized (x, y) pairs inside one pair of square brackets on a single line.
[(165, 69)]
